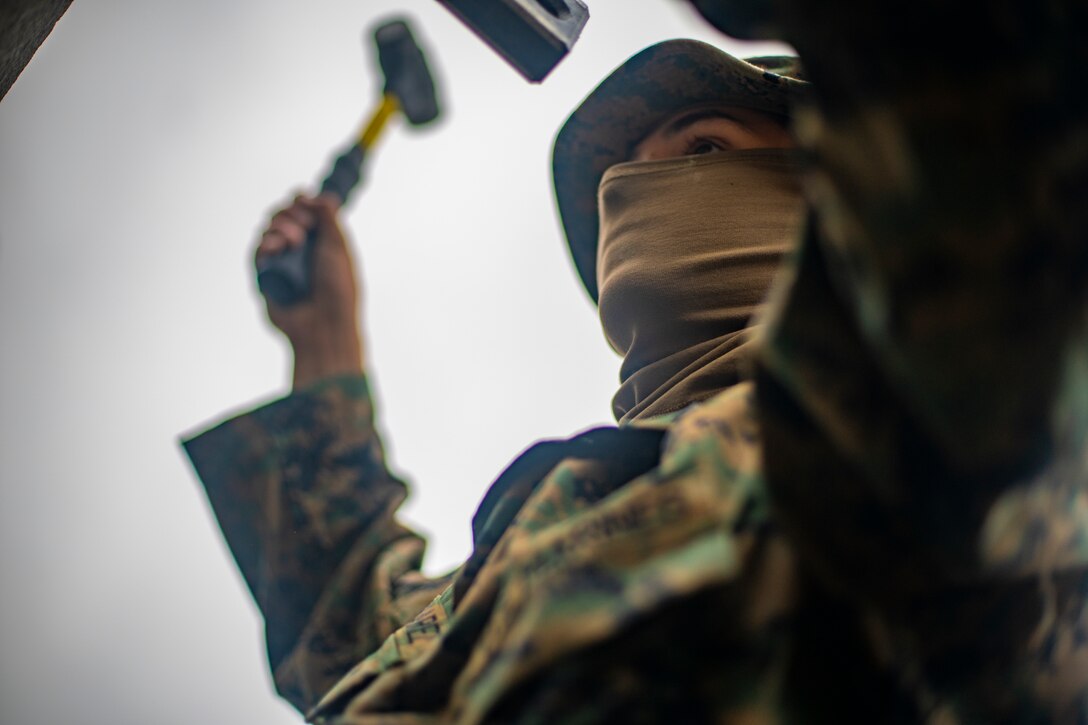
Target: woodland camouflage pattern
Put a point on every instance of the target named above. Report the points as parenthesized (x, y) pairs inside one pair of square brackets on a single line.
[(889, 525)]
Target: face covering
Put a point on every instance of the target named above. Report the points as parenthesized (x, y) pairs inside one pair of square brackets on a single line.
[(686, 254)]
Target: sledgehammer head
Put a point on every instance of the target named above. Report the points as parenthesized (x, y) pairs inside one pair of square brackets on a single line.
[(406, 74)]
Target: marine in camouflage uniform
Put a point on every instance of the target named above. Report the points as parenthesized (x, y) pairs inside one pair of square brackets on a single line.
[(890, 526)]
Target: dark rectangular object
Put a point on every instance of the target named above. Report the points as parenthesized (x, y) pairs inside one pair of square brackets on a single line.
[(532, 35)]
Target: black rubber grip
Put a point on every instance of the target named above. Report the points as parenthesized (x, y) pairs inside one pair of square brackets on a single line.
[(287, 279), (345, 174)]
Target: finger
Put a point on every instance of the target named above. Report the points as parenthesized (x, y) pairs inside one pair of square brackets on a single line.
[(287, 228), (292, 231), (270, 243), (300, 212), (296, 214)]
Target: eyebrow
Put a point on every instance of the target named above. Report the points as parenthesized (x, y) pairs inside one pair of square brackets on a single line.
[(690, 119)]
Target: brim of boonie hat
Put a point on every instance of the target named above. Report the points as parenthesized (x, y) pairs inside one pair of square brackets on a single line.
[(635, 99)]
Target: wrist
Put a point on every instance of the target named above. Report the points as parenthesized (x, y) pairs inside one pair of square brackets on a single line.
[(323, 357)]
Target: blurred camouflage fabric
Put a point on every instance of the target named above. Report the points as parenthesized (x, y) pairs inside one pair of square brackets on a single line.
[(924, 389), (890, 526)]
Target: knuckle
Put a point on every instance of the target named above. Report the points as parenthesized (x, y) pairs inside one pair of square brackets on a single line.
[(301, 215)]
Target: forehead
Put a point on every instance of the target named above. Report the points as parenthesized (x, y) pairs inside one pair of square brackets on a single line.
[(679, 121), (682, 118)]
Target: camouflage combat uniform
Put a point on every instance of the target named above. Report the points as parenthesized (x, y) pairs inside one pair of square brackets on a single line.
[(889, 525), (576, 542)]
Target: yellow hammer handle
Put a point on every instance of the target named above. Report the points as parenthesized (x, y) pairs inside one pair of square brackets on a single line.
[(387, 108)]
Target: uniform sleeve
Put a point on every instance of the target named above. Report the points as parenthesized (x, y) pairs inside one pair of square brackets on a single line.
[(304, 498)]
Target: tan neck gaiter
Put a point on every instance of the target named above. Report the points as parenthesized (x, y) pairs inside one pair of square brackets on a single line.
[(687, 251)]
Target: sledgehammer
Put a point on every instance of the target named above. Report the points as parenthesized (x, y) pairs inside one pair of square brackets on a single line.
[(285, 278)]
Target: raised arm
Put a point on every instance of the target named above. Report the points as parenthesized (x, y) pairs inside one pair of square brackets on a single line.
[(323, 329), (301, 489)]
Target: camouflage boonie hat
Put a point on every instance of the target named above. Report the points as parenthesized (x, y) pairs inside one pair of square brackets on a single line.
[(636, 98)]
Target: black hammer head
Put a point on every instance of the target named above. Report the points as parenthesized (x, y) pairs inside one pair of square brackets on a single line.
[(406, 74)]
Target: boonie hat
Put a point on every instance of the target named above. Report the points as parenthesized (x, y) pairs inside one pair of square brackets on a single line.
[(636, 98)]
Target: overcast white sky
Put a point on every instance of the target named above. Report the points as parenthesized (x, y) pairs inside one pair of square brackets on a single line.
[(139, 154)]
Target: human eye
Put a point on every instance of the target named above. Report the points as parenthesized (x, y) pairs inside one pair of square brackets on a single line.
[(708, 136), (701, 146)]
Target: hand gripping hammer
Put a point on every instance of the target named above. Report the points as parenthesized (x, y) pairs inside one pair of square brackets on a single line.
[(285, 278)]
